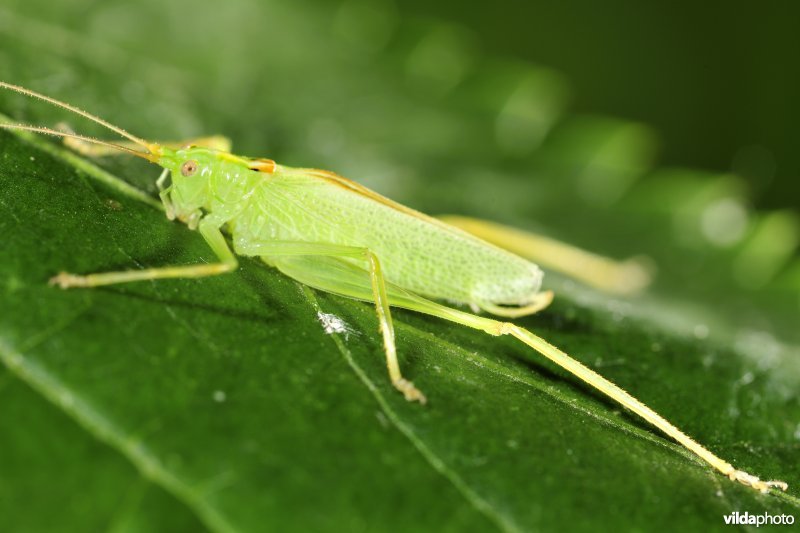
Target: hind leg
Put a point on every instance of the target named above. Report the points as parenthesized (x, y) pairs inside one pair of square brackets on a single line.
[(601, 272)]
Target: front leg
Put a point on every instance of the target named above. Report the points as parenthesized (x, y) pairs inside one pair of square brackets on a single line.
[(209, 229)]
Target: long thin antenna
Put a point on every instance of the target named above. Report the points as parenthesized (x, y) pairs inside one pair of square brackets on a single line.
[(98, 120), (48, 131)]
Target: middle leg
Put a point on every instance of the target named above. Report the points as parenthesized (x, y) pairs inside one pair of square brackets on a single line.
[(277, 249)]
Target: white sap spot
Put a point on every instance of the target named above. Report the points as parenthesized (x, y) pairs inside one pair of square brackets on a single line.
[(32, 158), (797, 432), (333, 324), (747, 378), (219, 396), (511, 443), (701, 331)]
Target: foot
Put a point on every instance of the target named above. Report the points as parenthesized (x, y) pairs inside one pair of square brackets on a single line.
[(66, 280), (752, 481), (408, 389)]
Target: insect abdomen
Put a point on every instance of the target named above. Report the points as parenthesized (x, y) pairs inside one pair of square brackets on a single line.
[(416, 252)]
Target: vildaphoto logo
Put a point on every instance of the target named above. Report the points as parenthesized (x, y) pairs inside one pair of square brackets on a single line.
[(765, 519)]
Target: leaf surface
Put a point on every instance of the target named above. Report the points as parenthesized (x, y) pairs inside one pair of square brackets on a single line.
[(223, 402)]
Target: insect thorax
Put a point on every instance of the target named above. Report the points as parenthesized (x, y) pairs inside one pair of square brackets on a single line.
[(203, 179)]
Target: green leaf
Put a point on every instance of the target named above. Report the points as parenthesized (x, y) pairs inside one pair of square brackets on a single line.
[(223, 402), (47, 485)]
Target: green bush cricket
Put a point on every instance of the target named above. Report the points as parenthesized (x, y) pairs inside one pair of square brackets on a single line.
[(337, 236)]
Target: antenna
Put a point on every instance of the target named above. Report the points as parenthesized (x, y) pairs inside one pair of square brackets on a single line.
[(48, 131), (57, 103)]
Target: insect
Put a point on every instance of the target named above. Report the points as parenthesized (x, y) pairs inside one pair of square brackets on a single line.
[(337, 236)]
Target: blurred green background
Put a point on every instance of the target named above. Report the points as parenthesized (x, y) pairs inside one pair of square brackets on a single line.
[(718, 83)]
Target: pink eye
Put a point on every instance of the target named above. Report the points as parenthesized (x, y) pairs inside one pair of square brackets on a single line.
[(189, 168)]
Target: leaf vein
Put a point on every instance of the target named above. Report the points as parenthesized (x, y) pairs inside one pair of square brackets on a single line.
[(104, 430), (473, 498)]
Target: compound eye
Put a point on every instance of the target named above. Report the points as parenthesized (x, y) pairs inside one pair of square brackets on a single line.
[(189, 168)]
